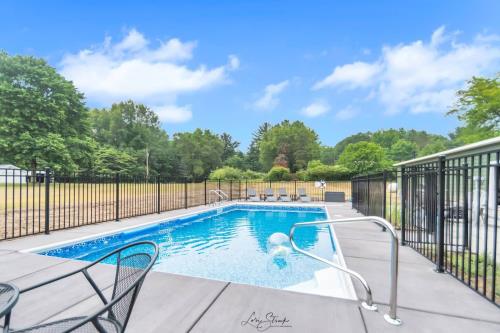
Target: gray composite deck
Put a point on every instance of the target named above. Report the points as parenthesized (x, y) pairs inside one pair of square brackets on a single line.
[(428, 301)]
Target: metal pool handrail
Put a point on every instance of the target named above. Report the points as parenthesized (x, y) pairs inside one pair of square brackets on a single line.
[(221, 194), (391, 317)]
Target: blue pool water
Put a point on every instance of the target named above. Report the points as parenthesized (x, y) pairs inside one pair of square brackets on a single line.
[(229, 244)]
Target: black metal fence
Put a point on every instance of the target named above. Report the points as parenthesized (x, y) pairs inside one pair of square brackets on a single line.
[(447, 210), (377, 194), (46, 201)]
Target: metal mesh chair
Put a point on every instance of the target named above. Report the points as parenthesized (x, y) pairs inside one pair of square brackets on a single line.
[(8, 299), (132, 262)]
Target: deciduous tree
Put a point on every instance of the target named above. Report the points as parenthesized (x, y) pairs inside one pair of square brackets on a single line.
[(294, 143), (43, 119), (363, 157)]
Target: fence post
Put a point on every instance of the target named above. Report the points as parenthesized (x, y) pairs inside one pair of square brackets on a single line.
[(185, 194), (440, 226), (465, 196), (239, 190), (117, 197), (205, 186), (47, 198), (384, 196), (218, 187), (352, 193), (368, 196), (295, 188), (356, 180), (158, 194), (403, 206), (231, 190), (246, 189)]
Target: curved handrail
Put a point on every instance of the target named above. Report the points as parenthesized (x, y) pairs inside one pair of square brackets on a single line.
[(368, 303), (391, 317), (221, 194), (224, 194)]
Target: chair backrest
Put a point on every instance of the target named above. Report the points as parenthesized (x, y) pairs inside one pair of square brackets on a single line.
[(251, 192), (132, 264), (283, 192), (302, 192), (269, 192)]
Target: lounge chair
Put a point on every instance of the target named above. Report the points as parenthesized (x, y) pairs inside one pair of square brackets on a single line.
[(133, 262), (303, 197), (270, 195), (252, 195), (283, 195)]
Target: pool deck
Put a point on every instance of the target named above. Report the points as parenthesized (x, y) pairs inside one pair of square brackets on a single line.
[(428, 301)]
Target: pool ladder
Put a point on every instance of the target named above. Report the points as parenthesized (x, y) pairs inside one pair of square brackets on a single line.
[(221, 196), (368, 304)]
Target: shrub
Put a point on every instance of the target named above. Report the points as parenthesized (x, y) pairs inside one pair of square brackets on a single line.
[(226, 173), (250, 174), (301, 175), (314, 164), (279, 173), (327, 172)]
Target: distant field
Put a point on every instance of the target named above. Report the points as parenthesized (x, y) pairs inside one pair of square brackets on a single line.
[(22, 206)]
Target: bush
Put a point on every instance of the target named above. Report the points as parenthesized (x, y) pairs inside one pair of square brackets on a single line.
[(314, 164), (226, 173), (301, 175), (250, 174), (279, 173), (327, 172)]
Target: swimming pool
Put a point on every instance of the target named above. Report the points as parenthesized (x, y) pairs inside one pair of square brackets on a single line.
[(240, 243)]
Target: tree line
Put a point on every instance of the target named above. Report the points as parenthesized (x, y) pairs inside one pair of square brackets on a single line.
[(44, 122)]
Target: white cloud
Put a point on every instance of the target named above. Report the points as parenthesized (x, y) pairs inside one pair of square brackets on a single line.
[(134, 41), (315, 109), (420, 76), (172, 50), (173, 113), (234, 62), (346, 113), (132, 69), (269, 99), (353, 75)]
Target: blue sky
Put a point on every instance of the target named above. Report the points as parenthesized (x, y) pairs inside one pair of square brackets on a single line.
[(341, 67)]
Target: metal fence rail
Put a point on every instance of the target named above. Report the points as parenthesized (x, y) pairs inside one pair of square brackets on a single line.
[(447, 210), (42, 201)]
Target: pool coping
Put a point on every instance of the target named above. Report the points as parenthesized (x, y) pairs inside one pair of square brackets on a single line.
[(338, 250)]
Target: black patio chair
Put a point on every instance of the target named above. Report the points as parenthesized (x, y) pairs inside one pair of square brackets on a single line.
[(133, 262)]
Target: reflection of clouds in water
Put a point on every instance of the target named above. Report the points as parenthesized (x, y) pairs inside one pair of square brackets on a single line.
[(280, 251), (276, 239), (265, 223)]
